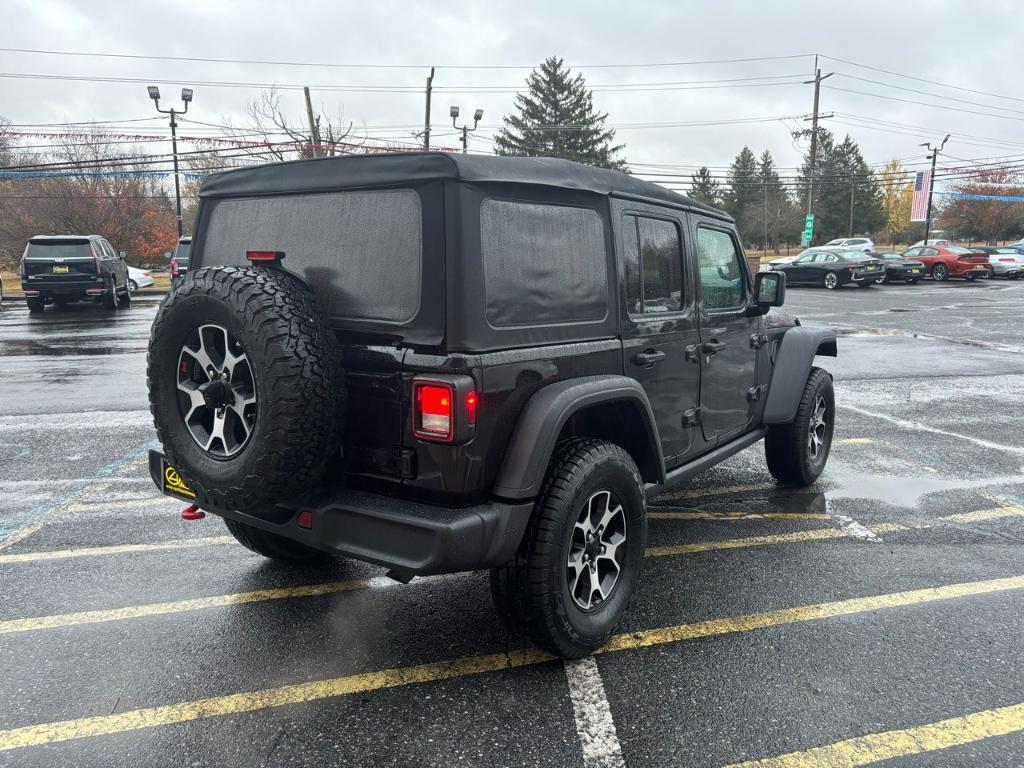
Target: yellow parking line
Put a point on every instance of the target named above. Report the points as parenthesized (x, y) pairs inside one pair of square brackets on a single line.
[(176, 606), (697, 515), (60, 554), (875, 747), (698, 493), (67, 730), (986, 514), (95, 506), (15, 536), (749, 541)]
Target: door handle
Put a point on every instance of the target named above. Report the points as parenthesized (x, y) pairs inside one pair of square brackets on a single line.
[(648, 358), (711, 347)]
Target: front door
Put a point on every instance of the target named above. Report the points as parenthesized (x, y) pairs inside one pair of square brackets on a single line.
[(659, 327), (727, 350)]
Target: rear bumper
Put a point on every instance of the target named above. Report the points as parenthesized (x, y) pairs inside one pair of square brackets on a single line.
[(49, 289), (866, 277), (408, 537)]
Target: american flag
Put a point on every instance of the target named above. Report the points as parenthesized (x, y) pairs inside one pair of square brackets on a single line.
[(919, 205)]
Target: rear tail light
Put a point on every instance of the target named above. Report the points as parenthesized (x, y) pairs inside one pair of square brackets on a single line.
[(1010, 261), (433, 410), (174, 268), (147, 274), (444, 409)]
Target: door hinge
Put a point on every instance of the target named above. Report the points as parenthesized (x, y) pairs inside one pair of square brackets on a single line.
[(758, 340), (756, 393), (691, 417)]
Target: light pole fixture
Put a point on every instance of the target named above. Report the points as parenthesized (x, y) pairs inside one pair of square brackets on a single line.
[(186, 97), (478, 115), (931, 182)]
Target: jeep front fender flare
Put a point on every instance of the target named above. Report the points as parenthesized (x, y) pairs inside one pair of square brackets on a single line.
[(792, 367), (529, 451)]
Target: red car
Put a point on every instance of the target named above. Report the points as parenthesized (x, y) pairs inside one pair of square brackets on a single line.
[(945, 261)]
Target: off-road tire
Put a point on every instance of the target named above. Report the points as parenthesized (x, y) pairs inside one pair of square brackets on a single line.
[(110, 297), (786, 445), (35, 304), (530, 592), (297, 377), (124, 301), (271, 545), (940, 272)]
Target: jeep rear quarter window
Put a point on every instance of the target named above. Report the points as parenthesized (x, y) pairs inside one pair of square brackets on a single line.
[(361, 250), (653, 263), (543, 264)]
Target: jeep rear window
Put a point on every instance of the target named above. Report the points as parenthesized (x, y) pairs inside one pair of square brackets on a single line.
[(542, 264), (59, 250), (362, 251)]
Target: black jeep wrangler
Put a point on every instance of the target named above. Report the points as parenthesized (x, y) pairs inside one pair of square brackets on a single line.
[(443, 363)]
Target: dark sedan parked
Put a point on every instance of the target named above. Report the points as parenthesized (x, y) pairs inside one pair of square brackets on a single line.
[(899, 268), (832, 268)]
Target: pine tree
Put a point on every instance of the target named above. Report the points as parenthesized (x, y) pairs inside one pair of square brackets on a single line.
[(705, 188), (777, 215), (556, 118), (743, 193)]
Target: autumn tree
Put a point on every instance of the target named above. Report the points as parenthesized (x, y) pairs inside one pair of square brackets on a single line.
[(897, 196), (556, 117), (974, 210)]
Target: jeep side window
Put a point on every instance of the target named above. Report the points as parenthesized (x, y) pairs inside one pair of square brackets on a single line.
[(652, 255), (721, 274)]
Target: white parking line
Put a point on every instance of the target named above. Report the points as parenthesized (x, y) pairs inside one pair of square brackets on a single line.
[(593, 715), (917, 426)]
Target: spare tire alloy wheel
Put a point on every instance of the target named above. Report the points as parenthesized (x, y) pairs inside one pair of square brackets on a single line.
[(596, 551), (216, 391)]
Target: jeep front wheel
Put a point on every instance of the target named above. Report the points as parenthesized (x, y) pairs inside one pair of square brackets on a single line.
[(580, 560), (245, 386)]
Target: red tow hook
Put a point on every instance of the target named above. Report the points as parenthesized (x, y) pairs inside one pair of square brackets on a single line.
[(192, 513)]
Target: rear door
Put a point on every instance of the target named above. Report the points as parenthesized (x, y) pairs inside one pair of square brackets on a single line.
[(728, 335), (659, 325)]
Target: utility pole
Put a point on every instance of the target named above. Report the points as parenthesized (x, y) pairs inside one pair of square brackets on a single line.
[(314, 133), (186, 96), (426, 120), (765, 185), (852, 188), (818, 77), (931, 183)]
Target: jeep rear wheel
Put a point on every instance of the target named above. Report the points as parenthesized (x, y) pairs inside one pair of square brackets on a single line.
[(35, 304), (245, 386), (581, 557), (796, 453), (269, 544)]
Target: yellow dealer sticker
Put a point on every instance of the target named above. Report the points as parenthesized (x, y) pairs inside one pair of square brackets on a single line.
[(175, 485)]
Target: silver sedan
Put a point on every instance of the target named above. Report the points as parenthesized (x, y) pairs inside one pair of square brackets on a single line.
[(1006, 262)]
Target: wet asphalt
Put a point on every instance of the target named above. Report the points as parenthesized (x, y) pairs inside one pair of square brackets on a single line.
[(924, 490)]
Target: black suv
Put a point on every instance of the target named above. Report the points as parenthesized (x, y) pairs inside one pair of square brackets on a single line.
[(62, 269), (180, 259), (442, 363)]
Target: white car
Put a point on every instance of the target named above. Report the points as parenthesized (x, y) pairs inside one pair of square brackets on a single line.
[(933, 241), (139, 278), (852, 243), (768, 267)]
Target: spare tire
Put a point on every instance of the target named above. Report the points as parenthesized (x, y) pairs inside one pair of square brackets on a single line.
[(245, 386)]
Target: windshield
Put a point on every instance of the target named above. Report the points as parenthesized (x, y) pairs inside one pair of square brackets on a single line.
[(59, 249)]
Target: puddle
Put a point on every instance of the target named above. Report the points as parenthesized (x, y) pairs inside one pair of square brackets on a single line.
[(30, 348), (904, 491)]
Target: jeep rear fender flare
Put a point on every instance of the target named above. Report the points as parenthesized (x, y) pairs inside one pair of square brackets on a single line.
[(546, 413), (792, 367)]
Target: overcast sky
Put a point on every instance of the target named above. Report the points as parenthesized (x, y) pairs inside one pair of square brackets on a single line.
[(975, 45)]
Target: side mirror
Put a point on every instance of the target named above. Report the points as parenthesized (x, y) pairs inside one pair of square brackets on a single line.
[(123, 255), (769, 291)]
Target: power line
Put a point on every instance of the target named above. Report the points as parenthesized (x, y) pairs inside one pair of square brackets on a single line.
[(922, 103), (928, 93)]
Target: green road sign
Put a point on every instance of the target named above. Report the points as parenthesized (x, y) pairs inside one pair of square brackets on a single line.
[(808, 229)]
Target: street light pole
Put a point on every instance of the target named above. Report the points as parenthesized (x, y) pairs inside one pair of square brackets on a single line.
[(477, 117), (186, 96), (931, 183)]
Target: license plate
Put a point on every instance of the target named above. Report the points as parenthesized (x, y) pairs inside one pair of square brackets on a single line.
[(173, 483), (59, 270), (915, 271)]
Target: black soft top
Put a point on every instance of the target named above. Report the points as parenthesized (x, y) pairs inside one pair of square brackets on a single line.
[(404, 168)]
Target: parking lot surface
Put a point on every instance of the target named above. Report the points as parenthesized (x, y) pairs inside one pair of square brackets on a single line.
[(874, 618)]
